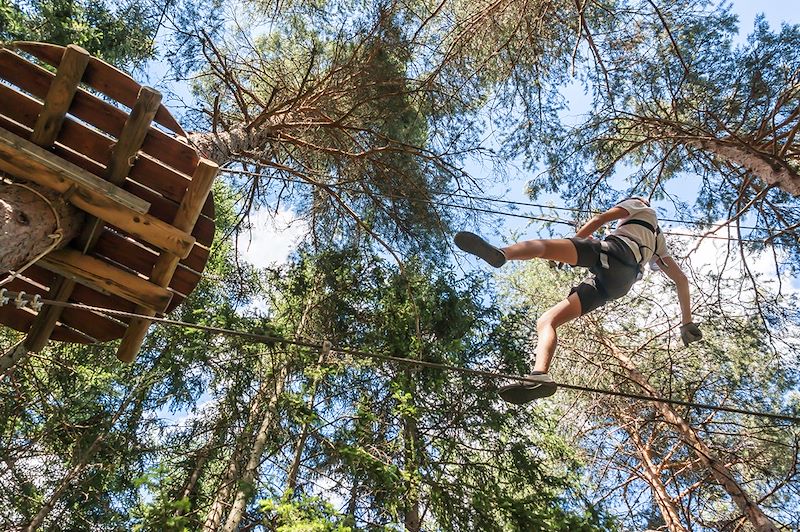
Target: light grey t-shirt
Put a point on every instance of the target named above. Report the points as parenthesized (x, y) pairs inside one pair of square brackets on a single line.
[(652, 247)]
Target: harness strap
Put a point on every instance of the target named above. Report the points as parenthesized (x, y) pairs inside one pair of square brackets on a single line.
[(656, 230), (604, 254)]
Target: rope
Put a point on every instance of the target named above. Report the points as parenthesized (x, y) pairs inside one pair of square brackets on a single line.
[(520, 203), (56, 236), (326, 345)]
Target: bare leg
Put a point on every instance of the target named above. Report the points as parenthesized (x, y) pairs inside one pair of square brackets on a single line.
[(560, 249), (563, 312)]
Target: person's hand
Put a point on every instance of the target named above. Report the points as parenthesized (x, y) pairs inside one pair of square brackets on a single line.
[(690, 333)]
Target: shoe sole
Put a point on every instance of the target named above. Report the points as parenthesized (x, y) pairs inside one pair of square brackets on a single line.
[(475, 245), (522, 393)]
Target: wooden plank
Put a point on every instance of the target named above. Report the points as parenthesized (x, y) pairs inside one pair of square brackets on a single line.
[(104, 206), (62, 175), (92, 324), (45, 326), (172, 185), (123, 251), (185, 219), (60, 94), (102, 77), (21, 320), (103, 277), (24, 74), (81, 294), (89, 143), (123, 154)]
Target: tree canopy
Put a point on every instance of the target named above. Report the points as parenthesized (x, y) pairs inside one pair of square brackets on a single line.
[(386, 126)]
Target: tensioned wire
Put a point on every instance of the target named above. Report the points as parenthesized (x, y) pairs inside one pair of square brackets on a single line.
[(319, 345), (553, 219)]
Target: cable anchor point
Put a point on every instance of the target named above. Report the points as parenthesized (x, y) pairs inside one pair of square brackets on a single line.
[(20, 300)]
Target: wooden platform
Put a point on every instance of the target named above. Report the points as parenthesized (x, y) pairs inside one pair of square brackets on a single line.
[(89, 117)]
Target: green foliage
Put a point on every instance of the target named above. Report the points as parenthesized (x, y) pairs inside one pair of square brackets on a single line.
[(162, 513), (122, 33), (303, 514)]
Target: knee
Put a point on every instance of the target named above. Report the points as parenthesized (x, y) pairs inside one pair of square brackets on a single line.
[(536, 247), (545, 321)]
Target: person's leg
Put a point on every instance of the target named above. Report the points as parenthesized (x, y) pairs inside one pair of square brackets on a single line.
[(560, 249), (563, 312)]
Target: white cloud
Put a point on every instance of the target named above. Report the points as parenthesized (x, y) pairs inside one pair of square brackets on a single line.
[(272, 237)]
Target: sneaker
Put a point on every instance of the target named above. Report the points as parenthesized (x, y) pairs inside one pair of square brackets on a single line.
[(472, 243), (525, 391)]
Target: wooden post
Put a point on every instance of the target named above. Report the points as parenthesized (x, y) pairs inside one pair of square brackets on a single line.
[(186, 217), (59, 96), (123, 154)]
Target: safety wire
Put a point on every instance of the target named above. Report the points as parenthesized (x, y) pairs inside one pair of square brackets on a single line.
[(548, 219), (326, 346)]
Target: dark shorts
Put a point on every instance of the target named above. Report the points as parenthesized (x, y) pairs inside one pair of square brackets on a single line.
[(608, 283)]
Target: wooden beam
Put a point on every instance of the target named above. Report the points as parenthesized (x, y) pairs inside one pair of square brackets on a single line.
[(42, 327), (186, 217), (107, 279), (124, 154), (59, 174), (133, 133), (59, 96), (41, 168)]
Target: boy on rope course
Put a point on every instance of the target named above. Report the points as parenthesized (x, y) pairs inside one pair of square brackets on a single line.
[(615, 263)]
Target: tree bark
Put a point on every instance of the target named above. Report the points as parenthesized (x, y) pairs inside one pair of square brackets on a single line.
[(215, 513), (768, 168), (707, 458), (27, 220), (201, 457), (221, 147), (294, 469)]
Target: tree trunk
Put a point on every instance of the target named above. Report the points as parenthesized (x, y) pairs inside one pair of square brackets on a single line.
[(221, 147), (768, 168), (220, 503), (652, 475), (718, 470), (214, 515), (248, 479), (201, 457), (29, 215), (80, 464), (294, 469), (412, 519)]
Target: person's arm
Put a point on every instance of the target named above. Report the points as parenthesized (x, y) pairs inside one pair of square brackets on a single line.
[(596, 221), (674, 272), (689, 331)]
